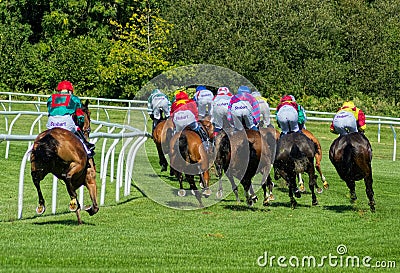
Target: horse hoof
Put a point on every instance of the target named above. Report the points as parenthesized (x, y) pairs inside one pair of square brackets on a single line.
[(319, 190), (302, 188), (73, 205), (266, 202), (250, 203), (326, 185), (271, 197), (207, 193), (92, 211), (293, 204), (40, 209), (254, 198), (181, 192), (219, 194), (314, 203)]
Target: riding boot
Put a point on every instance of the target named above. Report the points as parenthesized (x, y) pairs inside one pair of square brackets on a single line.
[(90, 146), (155, 122), (202, 133)]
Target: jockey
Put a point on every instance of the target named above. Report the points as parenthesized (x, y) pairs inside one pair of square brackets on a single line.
[(264, 109), (184, 113), (220, 108), (302, 114), (348, 119), (243, 106), (62, 106), (287, 115), (203, 97), (156, 103)]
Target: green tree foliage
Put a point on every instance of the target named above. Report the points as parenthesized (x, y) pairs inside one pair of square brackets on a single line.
[(310, 48), (139, 54), (320, 51)]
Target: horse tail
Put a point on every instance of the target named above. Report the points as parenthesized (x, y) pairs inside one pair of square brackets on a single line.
[(183, 145), (295, 152), (46, 149), (347, 161)]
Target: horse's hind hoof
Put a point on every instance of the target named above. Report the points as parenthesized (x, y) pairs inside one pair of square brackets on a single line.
[(73, 205), (181, 192), (271, 197), (40, 209), (207, 192), (326, 185), (254, 198), (302, 188), (315, 203), (219, 194), (250, 202), (319, 190), (91, 210)]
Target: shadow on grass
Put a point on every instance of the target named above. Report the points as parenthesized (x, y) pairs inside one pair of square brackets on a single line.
[(244, 207), (68, 222), (340, 208)]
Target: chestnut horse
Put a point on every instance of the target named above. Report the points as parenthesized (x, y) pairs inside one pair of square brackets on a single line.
[(60, 152), (243, 154), (351, 155), (295, 154), (189, 156)]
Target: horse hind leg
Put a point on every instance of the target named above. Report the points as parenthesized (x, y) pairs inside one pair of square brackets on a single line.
[(194, 190), (92, 188), (352, 188), (37, 177), (370, 192)]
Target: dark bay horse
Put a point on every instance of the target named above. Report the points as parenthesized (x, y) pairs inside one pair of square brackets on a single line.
[(318, 158), (243, 154), (294, 155), (61, 153), (351, 155), (189, 156), (162, 135)]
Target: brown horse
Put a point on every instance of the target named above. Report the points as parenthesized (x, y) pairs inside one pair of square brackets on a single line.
[(60, 152), (189, 156), (352, 155), (295, 154), (162, 135), (318, 158), (243, 154)]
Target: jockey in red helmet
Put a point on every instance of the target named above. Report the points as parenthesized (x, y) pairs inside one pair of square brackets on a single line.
[(62, 106)]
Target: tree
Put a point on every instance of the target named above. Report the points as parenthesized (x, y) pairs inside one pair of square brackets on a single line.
[(138, 54)]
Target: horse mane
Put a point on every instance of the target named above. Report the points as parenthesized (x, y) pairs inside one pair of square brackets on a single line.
[(46, 149)]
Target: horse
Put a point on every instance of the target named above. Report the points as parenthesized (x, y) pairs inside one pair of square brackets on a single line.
[(162, 135), (295, 154), (190, 156), (318, 158), (61, 153), (351, 155), (243, 154)]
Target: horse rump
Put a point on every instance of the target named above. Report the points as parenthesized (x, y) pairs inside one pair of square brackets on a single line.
[(45, 149), (294, 155), (351, 155)]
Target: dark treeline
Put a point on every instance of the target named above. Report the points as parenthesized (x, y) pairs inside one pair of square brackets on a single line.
[(320, 51)]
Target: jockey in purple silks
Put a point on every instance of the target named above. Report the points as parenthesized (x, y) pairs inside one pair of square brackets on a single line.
[(243, 106)]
